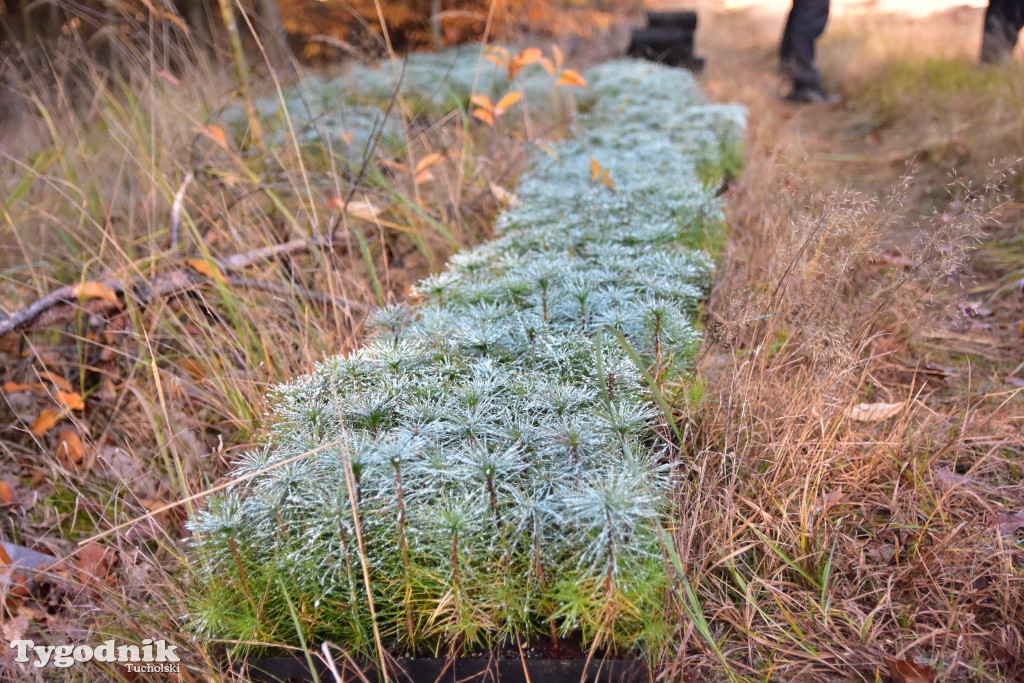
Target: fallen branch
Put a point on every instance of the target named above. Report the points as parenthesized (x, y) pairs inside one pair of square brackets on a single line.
[(63, 304)]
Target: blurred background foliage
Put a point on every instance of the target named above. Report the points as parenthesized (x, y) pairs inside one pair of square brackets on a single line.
[(311, 29)]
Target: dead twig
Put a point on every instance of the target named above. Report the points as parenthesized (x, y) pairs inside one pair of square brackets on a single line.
[(63, 304)]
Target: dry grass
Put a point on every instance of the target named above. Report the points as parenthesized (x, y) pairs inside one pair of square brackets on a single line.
[(174, 386), (817, 545), (813, 546)]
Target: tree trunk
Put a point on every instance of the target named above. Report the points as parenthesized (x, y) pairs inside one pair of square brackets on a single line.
[(276, 42)]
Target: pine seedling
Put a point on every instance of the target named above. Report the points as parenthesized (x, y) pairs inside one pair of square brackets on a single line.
[(504, 486)]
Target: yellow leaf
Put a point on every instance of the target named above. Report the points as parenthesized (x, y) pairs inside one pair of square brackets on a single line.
[(94, 290), (497, 54), (56, 379), (530, 55), (595, 169), (497, 60), (424, 176), (428, 161), (873, 412), (71, 399), (571, 78), (206, 268), (45, 422), (218, 135), (347, 138), (548, 65), (559, 56), (482, 101), (484, 116), (15, 387), (606, 179), (507, 101)]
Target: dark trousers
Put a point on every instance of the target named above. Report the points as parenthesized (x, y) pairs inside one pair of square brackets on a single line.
[(806, 22), (1003, 22)]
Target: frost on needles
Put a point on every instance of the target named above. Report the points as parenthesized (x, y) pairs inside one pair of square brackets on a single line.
[(498, 454)]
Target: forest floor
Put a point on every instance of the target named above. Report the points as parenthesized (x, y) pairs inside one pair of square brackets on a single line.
[(854, 442)]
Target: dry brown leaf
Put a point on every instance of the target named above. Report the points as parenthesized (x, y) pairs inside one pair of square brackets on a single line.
[(873, 412), (71, 399), (206, 268), (15, 387), (1009, 524), (906, 671), (56, 380), (70, 449), (428, 161), (45, 422), (94, 563), (94, 290), (218, 135), (424, 176), (192, 368), (363, 208), (502, 195), (5, 496)]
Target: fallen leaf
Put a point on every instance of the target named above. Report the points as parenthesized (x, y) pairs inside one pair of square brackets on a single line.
[(15, 387), (947, 478), (71, 399), (595, 169), (94, 563), (206, 268), (45, 422), (5, 495), (94, 290), (192, 368), (57, 380), (14, 629), (424, 176), (975, 310), (873, 412), (70, 449), (502, 195), (428, 161), (1008, 524), (218, 135), (572, 79), (906, 671), (363, 208)]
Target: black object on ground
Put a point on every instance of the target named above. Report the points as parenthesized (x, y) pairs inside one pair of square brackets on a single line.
[(468, 670), (667, 39), (684, 20)]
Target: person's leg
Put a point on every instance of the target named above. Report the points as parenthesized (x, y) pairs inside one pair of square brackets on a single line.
[(1003, 22), (806, 23)]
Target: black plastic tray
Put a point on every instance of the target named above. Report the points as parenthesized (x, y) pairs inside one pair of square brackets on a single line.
[(476, 670)]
